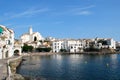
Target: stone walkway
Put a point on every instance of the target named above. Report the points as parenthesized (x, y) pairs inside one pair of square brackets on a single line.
[(3, 69)]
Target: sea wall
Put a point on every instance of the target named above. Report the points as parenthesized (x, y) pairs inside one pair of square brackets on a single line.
[(12, 65)]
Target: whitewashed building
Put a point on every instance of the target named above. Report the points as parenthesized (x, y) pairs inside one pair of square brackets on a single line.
[(31, 36), (6, 42), (68, 45), (110, 43), (17, 47), (74, 46), (57, 45), (50, 39), (104, 43)]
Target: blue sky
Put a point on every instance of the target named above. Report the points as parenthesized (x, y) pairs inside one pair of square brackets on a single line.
[(63, 18)]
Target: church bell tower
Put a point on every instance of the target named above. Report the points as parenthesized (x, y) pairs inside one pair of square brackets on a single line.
[(30, 31)]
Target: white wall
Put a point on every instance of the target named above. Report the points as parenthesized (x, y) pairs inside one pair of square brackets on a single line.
[(0, 53)]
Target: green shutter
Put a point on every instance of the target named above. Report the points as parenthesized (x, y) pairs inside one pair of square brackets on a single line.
[(1, 30)]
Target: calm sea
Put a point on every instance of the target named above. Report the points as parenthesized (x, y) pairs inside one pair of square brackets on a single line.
[(72, 67)]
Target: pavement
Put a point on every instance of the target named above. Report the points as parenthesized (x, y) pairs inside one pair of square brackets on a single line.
[(3, 69)]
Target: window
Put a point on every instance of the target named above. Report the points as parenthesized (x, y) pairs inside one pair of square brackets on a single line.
[(1, 30), (81, 44), (8, 42), (35, 38)]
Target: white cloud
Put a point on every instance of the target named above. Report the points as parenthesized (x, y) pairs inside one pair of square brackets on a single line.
[(75, 10), (29, 12), (83, 13), (84, 8), (58, 22)]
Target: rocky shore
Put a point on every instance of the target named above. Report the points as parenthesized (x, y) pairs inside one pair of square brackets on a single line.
[(50, 53), (38, 54)]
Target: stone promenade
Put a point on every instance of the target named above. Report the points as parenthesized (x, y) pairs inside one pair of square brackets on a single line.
[(3, 69)]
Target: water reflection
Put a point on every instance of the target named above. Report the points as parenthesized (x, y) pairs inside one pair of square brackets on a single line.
[(31, 62), (114, 57), (57, 57), (72, 67), (114, 61)]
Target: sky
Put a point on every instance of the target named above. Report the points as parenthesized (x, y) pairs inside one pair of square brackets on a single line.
[(63, 18)]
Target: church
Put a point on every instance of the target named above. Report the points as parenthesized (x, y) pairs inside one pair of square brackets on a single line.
[(31, 36)]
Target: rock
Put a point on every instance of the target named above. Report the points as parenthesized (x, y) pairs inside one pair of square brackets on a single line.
[(18, 77)]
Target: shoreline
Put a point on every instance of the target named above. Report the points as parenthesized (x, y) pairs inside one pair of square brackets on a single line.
[(38, 54), (51, 53)]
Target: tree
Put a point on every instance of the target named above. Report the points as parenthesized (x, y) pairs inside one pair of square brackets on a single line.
[(43, 49), (27, 48), (63, 50), (103, 42)]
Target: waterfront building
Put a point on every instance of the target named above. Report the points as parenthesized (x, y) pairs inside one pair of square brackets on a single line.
[(72, 46), (50, 39), (111, 43), (87, 42), (106, 43), (57, 45), (31, 36), (117, 44), (6, 42), (17, 47)]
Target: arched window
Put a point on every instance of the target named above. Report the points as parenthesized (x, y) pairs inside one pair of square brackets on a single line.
[(35, 38), (16, 53)]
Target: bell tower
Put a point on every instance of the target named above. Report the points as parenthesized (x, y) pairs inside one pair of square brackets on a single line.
[(30, 30)]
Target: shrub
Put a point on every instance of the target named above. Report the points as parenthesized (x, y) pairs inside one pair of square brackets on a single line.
[(91, 49), (43, 49), (27, 48), (63, 50)]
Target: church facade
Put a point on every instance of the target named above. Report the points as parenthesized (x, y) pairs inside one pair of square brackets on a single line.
[(31, 36)]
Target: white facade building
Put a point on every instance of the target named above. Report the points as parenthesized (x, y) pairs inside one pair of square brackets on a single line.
[(57, 45), (68, 45), (6, 42), (74, 46), (31, 36), (17, 47), (111, 43)]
